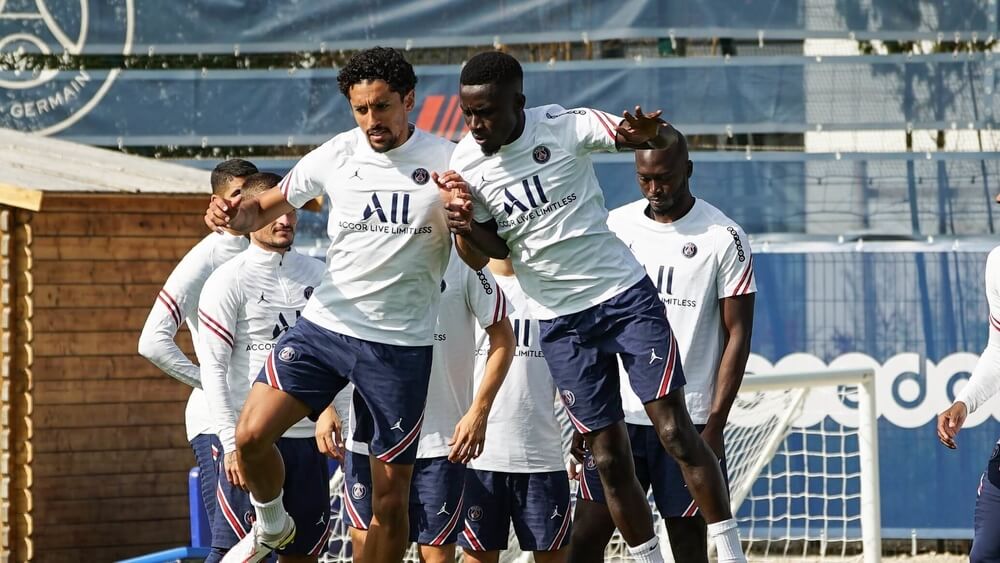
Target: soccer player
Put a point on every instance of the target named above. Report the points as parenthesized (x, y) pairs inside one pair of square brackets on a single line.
[(246, 305), (984, 384), (469, 299), (371, 320), (701, 263), (519, 477), (536, 197), (176, 304)]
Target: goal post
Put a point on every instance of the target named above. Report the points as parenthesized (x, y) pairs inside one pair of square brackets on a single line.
[(823, 477)]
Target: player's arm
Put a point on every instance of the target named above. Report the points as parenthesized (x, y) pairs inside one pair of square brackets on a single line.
[(173, 305), (985, 380), (737, 325), (641, 131), (470, 433), (218, 311), (297, 188), (476, 241), (245, 216), (490, 307)]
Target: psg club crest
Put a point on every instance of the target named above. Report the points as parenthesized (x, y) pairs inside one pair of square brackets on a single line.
[(286, 354), (689, 250), (541, 154), (358, 491), (249, 517), (308, 292), (590, 464), (421, 176), (568, 397), (475, 513)]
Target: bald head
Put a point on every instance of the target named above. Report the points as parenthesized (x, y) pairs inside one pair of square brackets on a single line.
[(663, 176)]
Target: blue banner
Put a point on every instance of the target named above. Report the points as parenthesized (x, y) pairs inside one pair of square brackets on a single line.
[(245, 26), (699, 95)]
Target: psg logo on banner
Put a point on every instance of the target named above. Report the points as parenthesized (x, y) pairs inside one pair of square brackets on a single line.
[(46, 100), (308, 292), (541, 154), (421, 176), (689, 250)]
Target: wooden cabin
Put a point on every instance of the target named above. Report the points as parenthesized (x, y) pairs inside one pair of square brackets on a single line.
[(93, 454)]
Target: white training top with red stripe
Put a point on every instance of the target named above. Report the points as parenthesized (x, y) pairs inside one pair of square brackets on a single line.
[(695, 261), (470, 300), (985, 380), (543, 193), (389, 239), (523, 433), (246, 305), (177, 303)]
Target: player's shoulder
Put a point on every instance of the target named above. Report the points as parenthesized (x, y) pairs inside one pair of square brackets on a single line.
[(466, 154), (628, 212), (432, 142), (993, 263), (335, 150), (312, 267), (197, 263), (721, 225), (227, 273)]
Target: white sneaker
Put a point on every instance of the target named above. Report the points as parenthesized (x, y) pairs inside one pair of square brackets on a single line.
[(255, 546)]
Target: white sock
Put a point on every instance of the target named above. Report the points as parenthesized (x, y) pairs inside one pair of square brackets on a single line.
[(271, 515), (727, 541), (648, 552)]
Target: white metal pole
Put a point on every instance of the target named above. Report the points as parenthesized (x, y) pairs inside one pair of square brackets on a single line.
[(871, 514)]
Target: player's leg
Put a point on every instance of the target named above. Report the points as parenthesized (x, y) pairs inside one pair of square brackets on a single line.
[(306, 497), (436, 507), (390, 390), (356, 502), (685, 526), (487, 516), (540, 511), (299, 378), (986, 542), (651, 356), (233, 519), (588, 382), (592, 523)]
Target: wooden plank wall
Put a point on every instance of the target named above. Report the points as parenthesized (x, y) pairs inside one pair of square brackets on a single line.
[(110, 452)]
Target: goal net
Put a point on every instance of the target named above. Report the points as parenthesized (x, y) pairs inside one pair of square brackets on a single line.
[(802, 456)]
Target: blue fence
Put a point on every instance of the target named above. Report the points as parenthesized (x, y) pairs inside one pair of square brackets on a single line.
[(220, 26)]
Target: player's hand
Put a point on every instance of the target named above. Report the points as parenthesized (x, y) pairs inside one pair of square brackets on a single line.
[(454, 191), (578, 447), (950, 422), (233, 474), (470, 435), (221, 212), (329, 434), (712, 434), (574, 470), (641, 128)]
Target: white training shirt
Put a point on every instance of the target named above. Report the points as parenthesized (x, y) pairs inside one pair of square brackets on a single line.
[(469, 300), (985, 380), (177, 303), (695, 261), (543, 193), (389, 239), (522, 434), (247, 304)]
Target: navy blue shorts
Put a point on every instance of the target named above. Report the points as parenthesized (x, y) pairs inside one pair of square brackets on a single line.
[(207, 450), (536, 503), (581, 348), (654, 468), (986, 543), (390, 383), (436, 498), (306, 498)]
